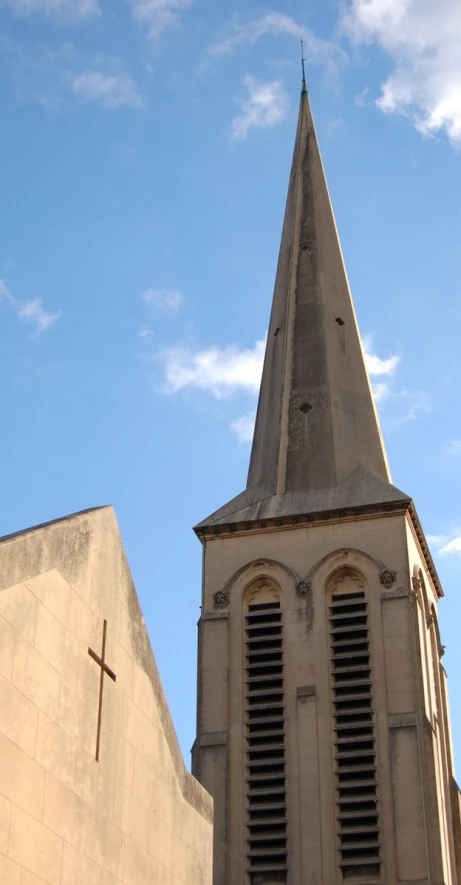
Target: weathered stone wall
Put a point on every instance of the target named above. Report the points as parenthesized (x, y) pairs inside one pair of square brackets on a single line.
[(416, 842), (136, 816)]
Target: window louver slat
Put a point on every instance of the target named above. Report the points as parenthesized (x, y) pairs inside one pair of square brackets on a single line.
[(265, 743), (356, 785)]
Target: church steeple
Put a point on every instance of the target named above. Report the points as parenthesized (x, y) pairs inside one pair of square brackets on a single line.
[(323, 725), (316, 418), (317, 441)]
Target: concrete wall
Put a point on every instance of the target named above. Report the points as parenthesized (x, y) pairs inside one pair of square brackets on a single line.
[(136, 817)]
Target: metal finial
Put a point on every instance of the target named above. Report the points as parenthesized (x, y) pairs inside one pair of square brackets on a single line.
[(303, 67)]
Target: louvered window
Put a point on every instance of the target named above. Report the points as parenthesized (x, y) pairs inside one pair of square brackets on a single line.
[(355, 751), (265, 745)]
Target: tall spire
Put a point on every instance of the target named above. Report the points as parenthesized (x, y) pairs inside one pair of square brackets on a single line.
[(317, 441), (316, 418)]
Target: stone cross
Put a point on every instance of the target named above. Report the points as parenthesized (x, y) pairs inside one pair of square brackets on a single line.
[(101, 661)]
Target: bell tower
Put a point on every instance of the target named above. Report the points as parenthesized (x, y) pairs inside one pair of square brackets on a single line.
[(323, 728)]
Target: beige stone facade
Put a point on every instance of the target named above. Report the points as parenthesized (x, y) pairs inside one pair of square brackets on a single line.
[(417, 799), (136, 816)]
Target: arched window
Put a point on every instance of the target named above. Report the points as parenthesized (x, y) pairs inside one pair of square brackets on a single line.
[(438, 724), (435, 674), (431, 654), (266, 805), (354, 724), (424, 619)]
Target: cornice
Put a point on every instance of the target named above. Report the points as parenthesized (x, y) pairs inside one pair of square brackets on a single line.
[(420, 539), (302, 520), (308, 520)]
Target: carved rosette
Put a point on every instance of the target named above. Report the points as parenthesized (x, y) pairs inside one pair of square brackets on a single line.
[(303, 589), (387, 578), (221, 598)]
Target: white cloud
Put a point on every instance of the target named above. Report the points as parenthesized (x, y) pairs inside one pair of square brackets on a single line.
[(237, 34), (266, 105), (74, 9), (34, 313), (218, 371), (407, 403), (436, 540), (145, 332), (156, 15), (53, 76), (221, 371), (334, 127), (5, 294), (374, 363), (109, 90), (447, 545), (7, 267), (453, 546), (378, 367), (166, 300), (31, 311), (361, 98), (244, 426), (420, 401), (454, 447), (422, 39), (381, 391)]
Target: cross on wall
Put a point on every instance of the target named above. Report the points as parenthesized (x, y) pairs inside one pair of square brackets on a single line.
[(101, 661)]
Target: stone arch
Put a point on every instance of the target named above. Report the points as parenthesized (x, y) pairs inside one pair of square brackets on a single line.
[(262, 590), (270, 569), (346, 579), (423, 621), (419, 586), (435, 625), (434, 640), (342, 554)]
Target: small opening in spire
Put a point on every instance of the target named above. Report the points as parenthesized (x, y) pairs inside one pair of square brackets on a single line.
[(305, 408), (340, 321)]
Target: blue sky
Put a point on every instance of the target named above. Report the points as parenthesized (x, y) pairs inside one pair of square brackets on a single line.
[(144, 161)]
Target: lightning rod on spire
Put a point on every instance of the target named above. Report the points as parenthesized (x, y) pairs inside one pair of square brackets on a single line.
[(303, 65)]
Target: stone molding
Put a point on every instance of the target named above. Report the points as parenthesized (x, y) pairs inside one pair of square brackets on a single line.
[(387, 578), (398, 593), (215, 616), (301, 520), (345, 551), (303, 589), (413, 882), (213, 739), (401, 720), (306, 691), (221, 598)]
